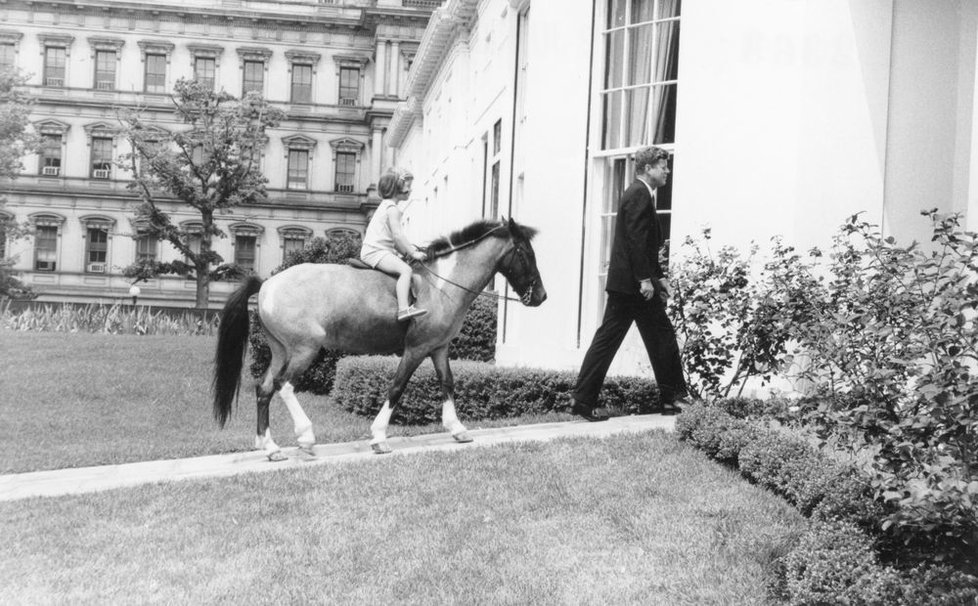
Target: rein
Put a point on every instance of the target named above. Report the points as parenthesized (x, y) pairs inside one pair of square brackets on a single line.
[(463, 245)]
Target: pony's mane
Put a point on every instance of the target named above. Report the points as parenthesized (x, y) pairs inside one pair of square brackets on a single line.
[(474, 231)]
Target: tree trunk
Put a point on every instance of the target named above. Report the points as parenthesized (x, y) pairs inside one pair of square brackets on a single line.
[(203, 290)]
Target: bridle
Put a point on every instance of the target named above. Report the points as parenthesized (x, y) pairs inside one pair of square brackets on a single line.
[(506, 260)]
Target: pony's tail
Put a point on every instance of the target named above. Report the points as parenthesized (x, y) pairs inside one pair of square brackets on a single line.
[(232, 338)]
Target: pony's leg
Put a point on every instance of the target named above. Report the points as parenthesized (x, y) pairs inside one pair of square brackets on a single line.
[(378, 429), (263, 440), (301, 423), (449, 419)]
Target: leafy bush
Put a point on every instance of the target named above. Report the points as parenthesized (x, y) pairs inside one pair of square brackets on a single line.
[(476, 339), (111, 319), (482, 391)]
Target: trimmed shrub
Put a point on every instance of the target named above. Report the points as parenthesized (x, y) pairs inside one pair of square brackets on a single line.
[(482, 391), (834, 563), (715, 432)]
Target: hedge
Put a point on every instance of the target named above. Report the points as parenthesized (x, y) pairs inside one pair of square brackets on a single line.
[(482, 390), (837, 561)]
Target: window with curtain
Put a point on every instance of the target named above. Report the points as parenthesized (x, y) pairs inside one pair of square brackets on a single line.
[(105, 64), (254, 77), (50, 155), (55, 59), (146, 247), (638, 102), (298, 177), (45, 247), (301, 83), (154, 80)]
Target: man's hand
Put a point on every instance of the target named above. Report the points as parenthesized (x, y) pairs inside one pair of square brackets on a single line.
[(646, 289), (663, 289)]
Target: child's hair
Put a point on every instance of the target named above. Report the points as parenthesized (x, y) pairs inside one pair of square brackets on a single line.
[(393, 182)]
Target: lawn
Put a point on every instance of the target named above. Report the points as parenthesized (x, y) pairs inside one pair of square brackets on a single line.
[(638, 519), (78, 399)]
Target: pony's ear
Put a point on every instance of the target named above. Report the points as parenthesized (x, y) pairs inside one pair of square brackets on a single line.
[(513, 227)]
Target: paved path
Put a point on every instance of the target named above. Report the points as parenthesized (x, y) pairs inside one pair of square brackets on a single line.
[(92, 479)]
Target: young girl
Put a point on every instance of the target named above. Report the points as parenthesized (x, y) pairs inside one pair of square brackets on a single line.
[(384, 242)]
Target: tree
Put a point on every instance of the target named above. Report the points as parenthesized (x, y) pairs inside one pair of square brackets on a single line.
[(211, 166), (16, 140)]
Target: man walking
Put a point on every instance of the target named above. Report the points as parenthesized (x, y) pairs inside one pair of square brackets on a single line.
[(637, 292)]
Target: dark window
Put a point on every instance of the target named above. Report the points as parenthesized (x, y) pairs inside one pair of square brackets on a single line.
[(244, 251), (50, 155), (204, 71), (96, 247), (146, 247), (101, 158), (301, 83), (7, 55)]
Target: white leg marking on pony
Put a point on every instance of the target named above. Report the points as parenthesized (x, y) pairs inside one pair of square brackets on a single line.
[(450, 420), (267, 444), (378, 429), (301, 423)]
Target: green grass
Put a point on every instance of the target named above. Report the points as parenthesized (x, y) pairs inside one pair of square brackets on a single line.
[(639, 519), (78, 399)]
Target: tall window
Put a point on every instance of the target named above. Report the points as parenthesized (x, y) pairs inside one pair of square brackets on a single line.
[(244, 251), (298, 169), (254, 77), (494, 164), (7, 55), (50, 155), (146, 246), (55, 59), (346, 164), (96, 249), (155, 76), (105, 63), (45, 247), (293, 240), (205, 69), (301, 83), (638, 101), (349, 85), (101, 157)]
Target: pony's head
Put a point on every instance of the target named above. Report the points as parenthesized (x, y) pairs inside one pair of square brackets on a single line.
[(519, 265)]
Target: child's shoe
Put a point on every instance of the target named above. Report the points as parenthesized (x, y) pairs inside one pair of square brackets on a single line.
[(410, 312)]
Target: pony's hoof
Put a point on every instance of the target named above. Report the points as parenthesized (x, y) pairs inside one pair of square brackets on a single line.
[(277, 456), (462, 437), (380, 448)]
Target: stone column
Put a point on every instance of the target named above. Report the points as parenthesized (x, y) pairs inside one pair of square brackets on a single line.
[(380, 68), (396, 68), (376, 156)]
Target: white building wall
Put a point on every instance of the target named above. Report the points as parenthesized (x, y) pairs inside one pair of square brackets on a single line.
[(791, 116)]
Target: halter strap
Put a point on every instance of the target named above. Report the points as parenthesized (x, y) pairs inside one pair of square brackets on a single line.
[(457, 247)]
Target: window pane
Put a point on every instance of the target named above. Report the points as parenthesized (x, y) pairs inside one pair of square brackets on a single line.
[(45, 247), (254, 74), (204, 71), (667, 53), (615, 60), (6, 55), (345, 168), (105, 62), (301, 83), (244, 252), (637, 116), (616, 13), (349, 85), (51, 150), (54, 66), (640, 54), (641, 11), (664, 112), (669, 8), (298, 169), (97, 245), (612, 119), (101, 154), (155, 78), (146, 246)]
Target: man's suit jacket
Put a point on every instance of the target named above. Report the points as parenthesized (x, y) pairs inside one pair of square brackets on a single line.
[(638, 238)]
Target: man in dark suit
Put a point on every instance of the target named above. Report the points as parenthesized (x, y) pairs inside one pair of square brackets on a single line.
[(637, 292)]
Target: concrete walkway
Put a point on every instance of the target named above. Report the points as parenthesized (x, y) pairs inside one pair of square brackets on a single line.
[(81, 480)]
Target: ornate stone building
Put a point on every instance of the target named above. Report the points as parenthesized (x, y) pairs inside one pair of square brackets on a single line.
[(336, 67)]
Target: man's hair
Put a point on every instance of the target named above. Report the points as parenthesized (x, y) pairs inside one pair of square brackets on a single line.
[(649, 155), (393, 182)]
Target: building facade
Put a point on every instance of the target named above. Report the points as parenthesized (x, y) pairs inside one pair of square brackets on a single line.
[(337, 68), (784, 117)]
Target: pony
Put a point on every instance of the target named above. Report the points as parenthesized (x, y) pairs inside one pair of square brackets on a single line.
[(312, 306)]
